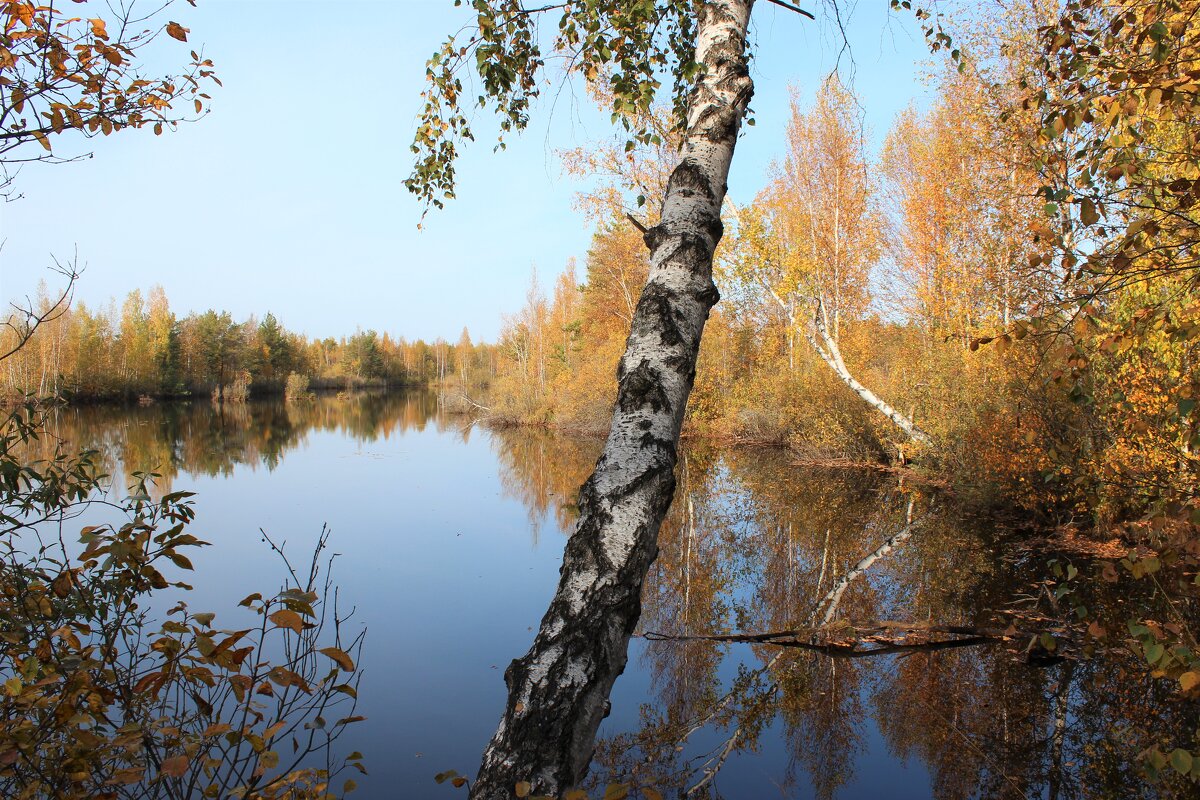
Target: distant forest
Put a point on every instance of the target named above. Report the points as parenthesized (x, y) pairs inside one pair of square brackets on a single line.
[(142, 349)]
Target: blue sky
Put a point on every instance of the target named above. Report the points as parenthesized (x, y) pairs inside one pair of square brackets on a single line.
[(288, 197)]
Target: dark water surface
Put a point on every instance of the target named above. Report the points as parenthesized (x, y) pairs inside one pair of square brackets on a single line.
[(450, 538)]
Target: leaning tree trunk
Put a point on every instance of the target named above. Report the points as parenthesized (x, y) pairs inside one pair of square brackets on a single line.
[(558, 691), (827, 348)]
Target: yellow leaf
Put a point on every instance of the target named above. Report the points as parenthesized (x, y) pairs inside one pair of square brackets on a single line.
[(651, 794), (523, 788), (616, 791), (1189, 681), (177, 31), (98, 28)]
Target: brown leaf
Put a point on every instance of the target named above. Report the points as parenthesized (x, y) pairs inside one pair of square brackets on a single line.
[(344, 661), (287, 619), (174, 766), (177, 31)]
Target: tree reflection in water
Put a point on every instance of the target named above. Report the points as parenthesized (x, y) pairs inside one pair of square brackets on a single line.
[(753, 543)]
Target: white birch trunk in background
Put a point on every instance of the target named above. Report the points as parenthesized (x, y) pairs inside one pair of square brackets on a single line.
[(558, 691), (827, 348)]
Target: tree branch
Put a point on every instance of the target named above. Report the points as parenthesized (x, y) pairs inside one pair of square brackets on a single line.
[(791, 7)]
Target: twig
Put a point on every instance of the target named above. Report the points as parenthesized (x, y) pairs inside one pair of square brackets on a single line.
[(791, 7)]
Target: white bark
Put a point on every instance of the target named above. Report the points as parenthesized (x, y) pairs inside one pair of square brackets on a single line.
[(558, 691), (827, 348)]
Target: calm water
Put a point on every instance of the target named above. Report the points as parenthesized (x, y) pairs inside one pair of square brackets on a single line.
[(450, 538)]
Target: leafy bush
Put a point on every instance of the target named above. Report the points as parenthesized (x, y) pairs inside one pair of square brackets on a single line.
[(103, 696)]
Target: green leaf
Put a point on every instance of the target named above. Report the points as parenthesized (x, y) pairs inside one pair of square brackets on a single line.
[(1181, 760)]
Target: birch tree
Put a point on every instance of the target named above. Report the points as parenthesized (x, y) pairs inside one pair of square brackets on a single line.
[(813, 235), (558, 691)]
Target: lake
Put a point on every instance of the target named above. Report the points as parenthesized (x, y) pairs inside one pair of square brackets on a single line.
[(449, 538)]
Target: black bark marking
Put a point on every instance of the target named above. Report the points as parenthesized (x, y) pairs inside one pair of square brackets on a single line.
[(654, 237), (640, 388), (708, 296), (655, 314), (689, 179), (649, 440), (645, 479), (716, 229)]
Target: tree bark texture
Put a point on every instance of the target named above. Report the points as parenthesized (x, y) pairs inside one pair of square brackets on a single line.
[(558, 691)]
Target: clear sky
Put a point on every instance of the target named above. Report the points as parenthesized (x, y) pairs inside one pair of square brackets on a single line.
[(288, 197)]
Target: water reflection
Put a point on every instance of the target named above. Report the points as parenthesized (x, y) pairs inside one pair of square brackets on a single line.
[(201, 438), (751, 543)]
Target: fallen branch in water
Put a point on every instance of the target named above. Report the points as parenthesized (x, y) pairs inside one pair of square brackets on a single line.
[(854, 641)]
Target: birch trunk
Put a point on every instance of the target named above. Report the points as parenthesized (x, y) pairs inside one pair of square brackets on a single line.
[(827, 348), (558, 691)]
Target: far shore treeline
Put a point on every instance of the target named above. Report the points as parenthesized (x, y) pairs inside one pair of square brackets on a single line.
[(141, 349)]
